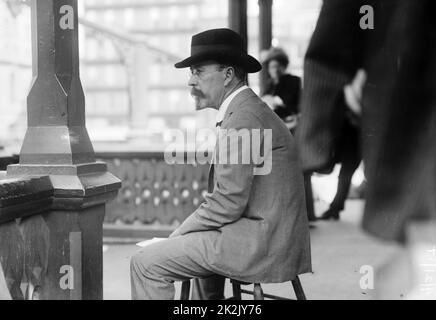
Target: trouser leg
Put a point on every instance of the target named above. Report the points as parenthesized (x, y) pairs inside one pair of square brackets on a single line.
[(348, 167), (155, 268)]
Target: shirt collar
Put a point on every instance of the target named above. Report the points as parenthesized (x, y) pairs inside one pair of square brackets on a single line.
[(225, 105)]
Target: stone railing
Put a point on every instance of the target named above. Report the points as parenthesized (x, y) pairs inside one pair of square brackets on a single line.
[(24, 234), (155, 196), (6, 160), (51, 235)]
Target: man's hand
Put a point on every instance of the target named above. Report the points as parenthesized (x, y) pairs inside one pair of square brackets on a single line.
[(353, 92)]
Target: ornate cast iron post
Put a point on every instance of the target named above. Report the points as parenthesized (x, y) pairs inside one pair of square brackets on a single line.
[(57, 145)]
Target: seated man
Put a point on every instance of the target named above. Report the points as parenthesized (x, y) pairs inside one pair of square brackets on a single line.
[(252, 225)]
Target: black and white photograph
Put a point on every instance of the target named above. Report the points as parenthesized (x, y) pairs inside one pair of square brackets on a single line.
[(219, 150)]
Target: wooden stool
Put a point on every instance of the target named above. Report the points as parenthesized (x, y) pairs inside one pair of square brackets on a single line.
[(257, 292)]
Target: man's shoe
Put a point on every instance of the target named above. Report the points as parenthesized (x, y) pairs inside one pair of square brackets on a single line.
[(330, 214)]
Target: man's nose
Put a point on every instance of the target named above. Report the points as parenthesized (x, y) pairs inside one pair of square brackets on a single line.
[(192, 81)]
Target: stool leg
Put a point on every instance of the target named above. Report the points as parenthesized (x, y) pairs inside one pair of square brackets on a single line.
[(258, 292), (299, 293), (186, 288), (236, 291)]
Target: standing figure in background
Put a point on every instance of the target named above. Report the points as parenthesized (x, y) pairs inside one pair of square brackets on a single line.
[(348, 153), (282, 94), (349, 156)]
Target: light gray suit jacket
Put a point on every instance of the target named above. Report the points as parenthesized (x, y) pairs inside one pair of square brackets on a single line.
[(261, 220)]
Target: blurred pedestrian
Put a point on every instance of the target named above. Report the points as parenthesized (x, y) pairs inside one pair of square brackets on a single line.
[(397, 112), (348, 155)]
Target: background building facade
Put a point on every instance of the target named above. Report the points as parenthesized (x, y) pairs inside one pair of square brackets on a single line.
[(134, 95)]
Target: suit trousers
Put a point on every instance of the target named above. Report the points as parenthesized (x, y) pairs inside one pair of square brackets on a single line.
[(348, 168), (154, 269), (350, 158)]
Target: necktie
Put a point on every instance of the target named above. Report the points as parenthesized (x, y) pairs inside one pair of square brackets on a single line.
[(211, 169)]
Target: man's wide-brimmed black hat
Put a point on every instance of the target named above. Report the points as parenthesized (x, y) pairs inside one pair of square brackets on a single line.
[(221, 45)]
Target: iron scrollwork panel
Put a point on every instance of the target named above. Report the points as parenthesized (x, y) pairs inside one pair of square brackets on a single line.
[(155, 192)]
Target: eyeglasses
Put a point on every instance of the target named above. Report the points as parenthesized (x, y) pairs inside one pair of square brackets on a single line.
[(199, 73)]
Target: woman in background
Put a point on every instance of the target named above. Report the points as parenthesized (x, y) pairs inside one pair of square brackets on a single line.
[(282, 89), (282, 94)]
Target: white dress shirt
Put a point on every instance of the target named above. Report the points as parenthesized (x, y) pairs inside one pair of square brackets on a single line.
[(225, 105), (221, 113)]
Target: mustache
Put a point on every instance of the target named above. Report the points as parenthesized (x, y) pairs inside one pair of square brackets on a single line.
[(196, 93)]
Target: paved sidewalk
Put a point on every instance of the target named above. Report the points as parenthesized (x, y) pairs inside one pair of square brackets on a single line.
[(339, 250)]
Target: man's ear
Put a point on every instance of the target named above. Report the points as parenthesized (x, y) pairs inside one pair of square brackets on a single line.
[(229, 75)]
